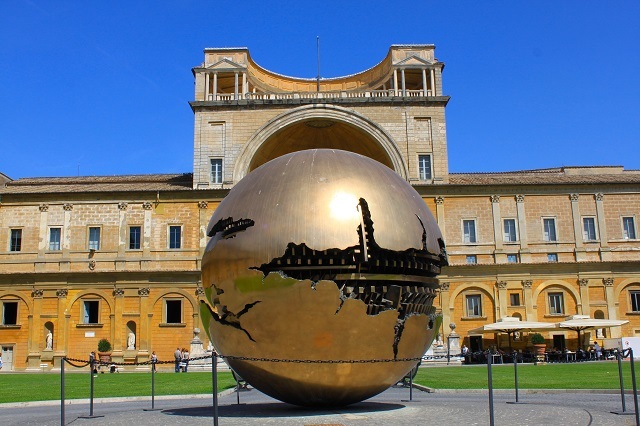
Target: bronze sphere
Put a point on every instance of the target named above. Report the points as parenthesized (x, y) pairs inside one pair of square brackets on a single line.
[(317, 259)]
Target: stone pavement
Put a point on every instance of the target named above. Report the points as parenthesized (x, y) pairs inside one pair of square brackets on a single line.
[(388, 408)]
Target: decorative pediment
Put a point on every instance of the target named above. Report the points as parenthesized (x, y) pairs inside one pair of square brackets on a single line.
[(414, 61), (224, 65)]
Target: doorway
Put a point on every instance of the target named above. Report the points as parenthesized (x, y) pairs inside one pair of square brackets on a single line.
[(7, 358), (475, 343), (559, 342)]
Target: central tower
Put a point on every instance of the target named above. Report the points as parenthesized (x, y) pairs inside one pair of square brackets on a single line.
[(246, 115)]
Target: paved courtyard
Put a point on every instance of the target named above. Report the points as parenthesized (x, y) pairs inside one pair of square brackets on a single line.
[(390, 407)]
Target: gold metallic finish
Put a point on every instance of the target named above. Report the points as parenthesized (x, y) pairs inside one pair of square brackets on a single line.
[(322, 255)]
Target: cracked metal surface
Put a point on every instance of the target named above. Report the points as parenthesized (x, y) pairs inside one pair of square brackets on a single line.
[(322, 255)]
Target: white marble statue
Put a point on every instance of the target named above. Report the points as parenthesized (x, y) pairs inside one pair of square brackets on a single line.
[(131, 341), (49, 340)]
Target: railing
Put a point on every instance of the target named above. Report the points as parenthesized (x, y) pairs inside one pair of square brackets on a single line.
[(227, 97)]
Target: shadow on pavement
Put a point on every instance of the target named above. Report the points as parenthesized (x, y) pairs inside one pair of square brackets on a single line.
[(280, 409)]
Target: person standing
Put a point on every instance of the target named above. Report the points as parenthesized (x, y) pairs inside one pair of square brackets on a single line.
[(154, 360), (178, 359), (185, 359), (597, 349)]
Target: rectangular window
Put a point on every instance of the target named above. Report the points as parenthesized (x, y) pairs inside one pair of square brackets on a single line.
[(510, 235), (55, 234), (635, 300), (556, 304), (469, 230), (175, 236), (514, 299), (472, 259), (216, 170), (549, 225), (512, 258), (173, 311), (552, 257), (474, 306), (589, 228), (134, 237), (628, 228), (10, 313), (94, 238), (424, 167), (91, 308), (16, 240)]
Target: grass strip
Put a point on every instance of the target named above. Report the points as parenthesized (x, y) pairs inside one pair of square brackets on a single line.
[(583, 375), (21, 387)]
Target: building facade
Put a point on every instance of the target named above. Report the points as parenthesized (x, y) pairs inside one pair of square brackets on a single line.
[(86, 258)]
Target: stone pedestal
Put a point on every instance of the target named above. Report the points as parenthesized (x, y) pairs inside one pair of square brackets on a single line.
[(454, 343), (196, 350)]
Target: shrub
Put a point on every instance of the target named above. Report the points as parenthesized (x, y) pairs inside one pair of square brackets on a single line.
[(537, 339), (104, 345)]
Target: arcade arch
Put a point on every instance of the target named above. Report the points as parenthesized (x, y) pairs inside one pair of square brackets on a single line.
[(319, 126)]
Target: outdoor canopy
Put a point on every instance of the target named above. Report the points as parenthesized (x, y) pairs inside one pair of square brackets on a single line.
[(510, 325), (584, 322)]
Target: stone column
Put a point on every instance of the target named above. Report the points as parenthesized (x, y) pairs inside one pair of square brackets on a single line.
[(605, 251), (244, 84), (497, 229), (61, 336), (440, 214), (36, 336), (584, 306), (215, 86), (146, 232), (118, 322), (424, 83), (444, 299), (235, 86), (143, 339), (577, 228), (528, 300), (206, 86), (404, 85), (122, 229), (66, 231), (432, 76), (525, 254), (395, 82), (204, 222), (42, 244), (502, 299)]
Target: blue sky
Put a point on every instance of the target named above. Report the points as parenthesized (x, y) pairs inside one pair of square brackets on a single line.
[(102, 87)]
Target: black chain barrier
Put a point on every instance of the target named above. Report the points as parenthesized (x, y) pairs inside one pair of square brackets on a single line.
[(95, 363)]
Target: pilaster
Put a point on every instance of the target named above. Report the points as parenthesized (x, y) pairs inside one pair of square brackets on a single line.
[(584, 307), (527, 292), (502, 299)]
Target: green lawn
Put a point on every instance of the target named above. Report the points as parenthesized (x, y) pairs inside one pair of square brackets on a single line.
[(583, 375), (21, 387)]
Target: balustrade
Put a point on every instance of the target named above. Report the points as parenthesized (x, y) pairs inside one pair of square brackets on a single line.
[(226, 97)]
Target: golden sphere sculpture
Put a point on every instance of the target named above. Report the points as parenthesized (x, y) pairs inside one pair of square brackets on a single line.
[(320, 276)]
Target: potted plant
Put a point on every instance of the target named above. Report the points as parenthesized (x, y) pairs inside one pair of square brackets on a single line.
[(539, 343), (104, 350)]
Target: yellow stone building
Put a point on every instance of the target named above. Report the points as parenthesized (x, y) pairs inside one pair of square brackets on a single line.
[(87, 258)]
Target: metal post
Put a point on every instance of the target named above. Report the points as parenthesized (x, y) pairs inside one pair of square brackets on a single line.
[(411, 385), (237, 391), (448, 349), (62, 361), (515, 373), (91, 367), (153, 384), (214, 378), (490, 386), (635, 387), (619, 358)]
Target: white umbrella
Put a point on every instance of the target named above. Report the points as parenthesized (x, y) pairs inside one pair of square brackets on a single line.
[(584, 322), (510, 325)]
